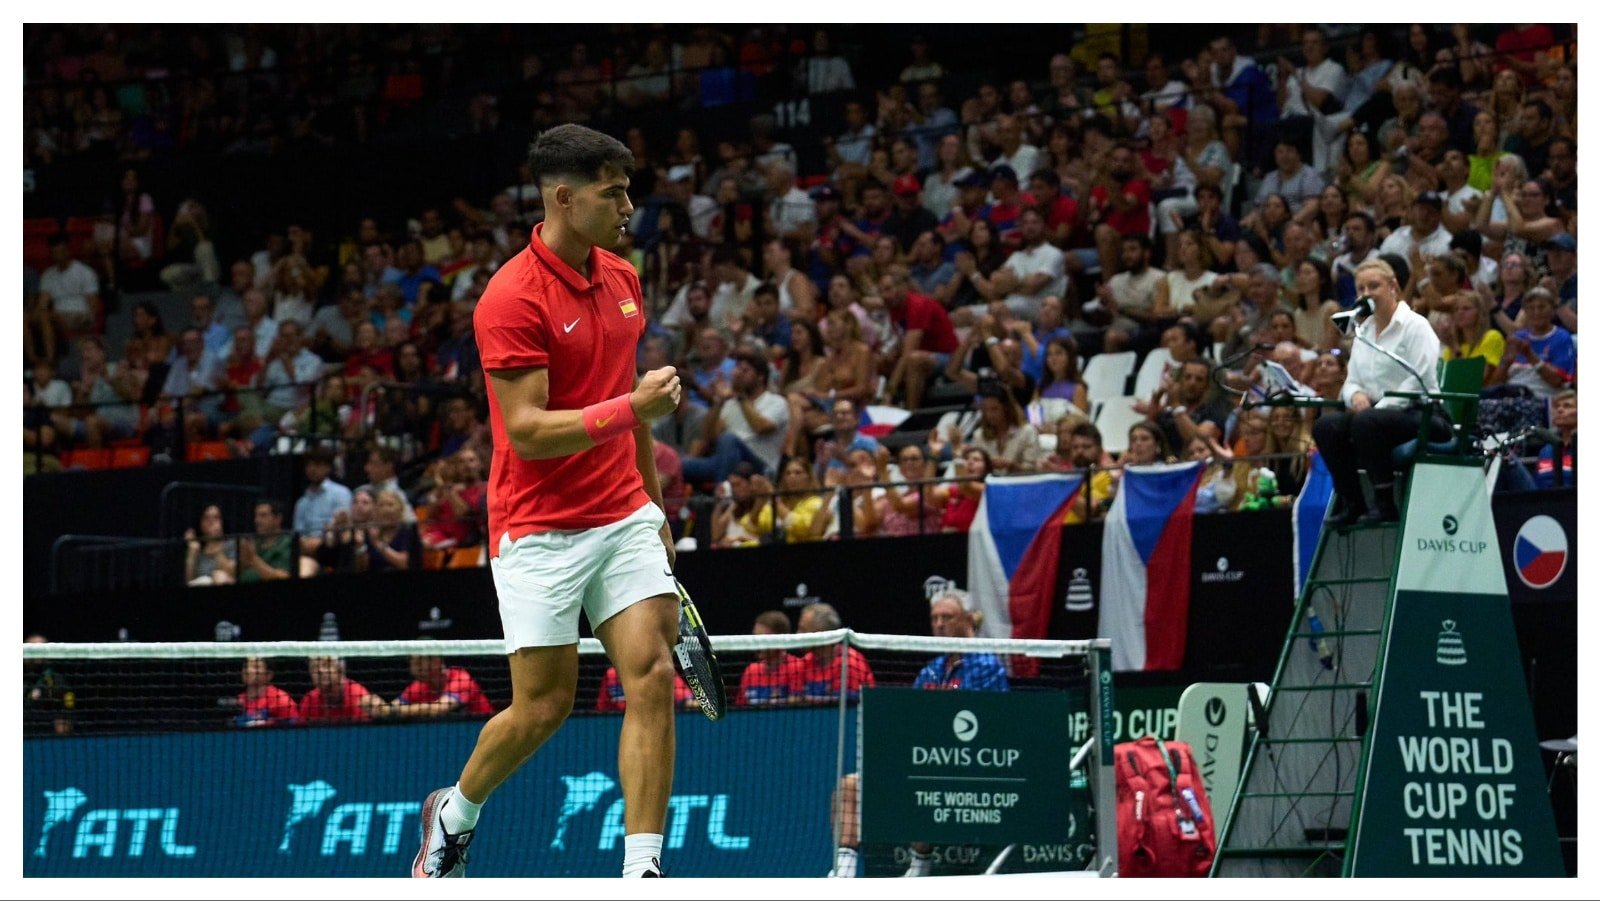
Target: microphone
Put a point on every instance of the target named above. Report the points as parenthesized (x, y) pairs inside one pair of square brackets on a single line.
[(1347, 320)]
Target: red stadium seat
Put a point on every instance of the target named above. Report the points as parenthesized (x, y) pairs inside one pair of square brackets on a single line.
[(36, 234), (208, 450), (129, 457), (86, 458), (79, 230)]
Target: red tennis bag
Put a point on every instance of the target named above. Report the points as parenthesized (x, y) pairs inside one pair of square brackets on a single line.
[(1164, 822)]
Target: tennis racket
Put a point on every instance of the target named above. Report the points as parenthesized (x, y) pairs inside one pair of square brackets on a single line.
[(696, 661)]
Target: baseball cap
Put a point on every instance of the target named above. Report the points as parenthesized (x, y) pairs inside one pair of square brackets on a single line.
[(1431, 198), (1562, 241), (907, 184), (679, 173), (824, 192), (973, 179), (1003, 171), (1469, 240)]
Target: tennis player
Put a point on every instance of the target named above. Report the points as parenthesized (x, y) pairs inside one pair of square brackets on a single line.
[(575, 513)]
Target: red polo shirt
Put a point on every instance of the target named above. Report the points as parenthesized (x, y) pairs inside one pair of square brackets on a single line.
[(316, 706), (538, 312), (458, 684), (924, 313)]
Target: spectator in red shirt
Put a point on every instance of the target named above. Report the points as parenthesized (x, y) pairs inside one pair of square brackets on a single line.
[(822, 676), (962, 498), (1521, 48), (1059, 211), (927, 338), (337, 698), (439, 690), (262, 703), (242, 372), (776, 676), (456, 517), (368, 352), (1119, 205), (1005, 212)]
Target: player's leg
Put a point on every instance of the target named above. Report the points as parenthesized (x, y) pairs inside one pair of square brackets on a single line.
[(633, 603), (639, 642), (539, 580), (846, 828), (544, 682)]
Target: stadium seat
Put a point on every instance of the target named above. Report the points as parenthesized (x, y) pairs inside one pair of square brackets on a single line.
[(36, 234), (79, 230), (129, 457), (86, 458), (208, 450), (433, 558), (1116, 416), (465, 557), (1106, 375), (1149, 378)]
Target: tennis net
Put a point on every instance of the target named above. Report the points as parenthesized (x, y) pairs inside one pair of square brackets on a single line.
[(242, 759)]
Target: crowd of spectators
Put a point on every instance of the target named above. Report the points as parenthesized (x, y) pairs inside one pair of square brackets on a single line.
[(965, 255)]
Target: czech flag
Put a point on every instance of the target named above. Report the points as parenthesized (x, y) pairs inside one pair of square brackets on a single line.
[(1014, 550), (1144, 566), (877, 421), (1310, 509)]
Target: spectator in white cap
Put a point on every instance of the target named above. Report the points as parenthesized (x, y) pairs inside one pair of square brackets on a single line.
[(790, 211), (702, 209), (1424, 232)]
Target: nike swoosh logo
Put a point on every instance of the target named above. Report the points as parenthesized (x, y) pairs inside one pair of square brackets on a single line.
[(601, 423), (573, 324)]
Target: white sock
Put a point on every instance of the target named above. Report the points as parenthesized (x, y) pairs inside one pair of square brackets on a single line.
[(844, 862), (921, 864), (641, 854), (459, 815)]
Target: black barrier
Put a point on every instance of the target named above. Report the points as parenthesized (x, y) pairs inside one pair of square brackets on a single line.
[(128, 502), (1236, 622), (1240, 597)]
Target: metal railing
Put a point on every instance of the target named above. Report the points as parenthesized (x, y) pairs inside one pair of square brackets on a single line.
[(317, 428)]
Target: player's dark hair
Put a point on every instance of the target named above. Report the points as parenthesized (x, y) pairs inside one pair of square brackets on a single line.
[(576, 155)]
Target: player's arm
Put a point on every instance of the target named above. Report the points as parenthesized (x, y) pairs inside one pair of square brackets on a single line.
[(537, 433)]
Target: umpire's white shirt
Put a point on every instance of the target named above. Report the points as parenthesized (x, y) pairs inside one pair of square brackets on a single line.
[(1409, 337)]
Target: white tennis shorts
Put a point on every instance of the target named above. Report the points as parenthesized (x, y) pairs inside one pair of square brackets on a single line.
[(544, 578)]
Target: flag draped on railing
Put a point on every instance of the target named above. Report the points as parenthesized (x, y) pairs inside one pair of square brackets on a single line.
[(1145, 572), (1014, 549)]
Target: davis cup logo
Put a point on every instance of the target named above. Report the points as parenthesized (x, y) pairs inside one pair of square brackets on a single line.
[(1540, 552), (965, 725)]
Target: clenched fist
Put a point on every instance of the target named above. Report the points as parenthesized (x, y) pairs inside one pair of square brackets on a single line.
[(658, 394)]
